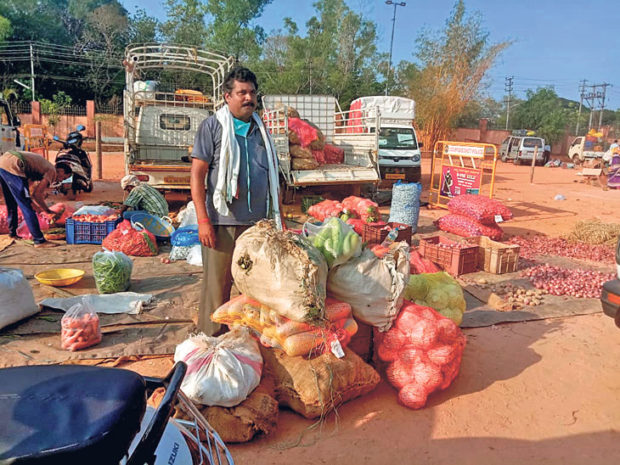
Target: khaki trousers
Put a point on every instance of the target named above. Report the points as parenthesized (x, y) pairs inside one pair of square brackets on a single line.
[(217, 277)]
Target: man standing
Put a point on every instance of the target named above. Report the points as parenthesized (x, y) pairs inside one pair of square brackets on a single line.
[(235, 154), (143, 197), (19, 169)]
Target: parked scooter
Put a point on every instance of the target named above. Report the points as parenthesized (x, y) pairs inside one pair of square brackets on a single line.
[(74, 414), (79, 161)]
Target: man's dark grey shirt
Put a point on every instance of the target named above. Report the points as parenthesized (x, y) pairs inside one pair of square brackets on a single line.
[(207, 147)]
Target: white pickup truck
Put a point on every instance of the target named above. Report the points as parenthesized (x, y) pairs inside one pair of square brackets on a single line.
[(579, 149), (170, 90), (360, 148), (399, 150)]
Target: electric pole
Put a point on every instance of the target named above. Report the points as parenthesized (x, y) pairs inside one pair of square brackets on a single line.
[(508, 88), (596, 99), (32, 72), (600, 115), (387, 80), (582, 89)]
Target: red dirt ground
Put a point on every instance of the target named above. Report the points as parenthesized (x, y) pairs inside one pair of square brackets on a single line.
[(539, 392)]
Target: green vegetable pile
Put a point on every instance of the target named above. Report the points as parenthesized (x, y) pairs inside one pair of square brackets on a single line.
[(112, 271), (337, 242), (439, 291)]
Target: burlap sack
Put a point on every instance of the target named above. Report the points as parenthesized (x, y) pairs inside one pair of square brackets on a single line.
[(258, 414), (315, 387), (374, 287), (304, 164), (298, 152), (293, 138), (281, 270)]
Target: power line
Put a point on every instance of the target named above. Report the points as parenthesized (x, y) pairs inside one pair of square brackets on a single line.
[(582, 89)]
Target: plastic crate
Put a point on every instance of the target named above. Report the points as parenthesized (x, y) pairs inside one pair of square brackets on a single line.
[(495, 257), (308, 200), (84, 232), (376, 234), (451, 256)]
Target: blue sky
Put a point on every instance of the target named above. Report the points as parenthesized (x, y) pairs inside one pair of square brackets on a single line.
[(555, 42)]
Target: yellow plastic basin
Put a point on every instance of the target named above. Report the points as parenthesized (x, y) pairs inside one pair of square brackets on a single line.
[(60, 277)]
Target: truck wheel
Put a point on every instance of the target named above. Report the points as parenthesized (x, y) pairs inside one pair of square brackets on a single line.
[(503, 158), (517, 161)]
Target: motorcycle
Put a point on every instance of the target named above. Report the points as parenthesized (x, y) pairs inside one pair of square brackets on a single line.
[(74, 414), (610, 297), (79, 161)]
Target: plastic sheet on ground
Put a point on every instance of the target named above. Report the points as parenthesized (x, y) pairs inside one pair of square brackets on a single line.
[(121, 302)]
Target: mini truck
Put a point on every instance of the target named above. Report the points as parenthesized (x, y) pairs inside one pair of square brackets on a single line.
[(163, 108), (399, 150), (360, 148), (9, 128)]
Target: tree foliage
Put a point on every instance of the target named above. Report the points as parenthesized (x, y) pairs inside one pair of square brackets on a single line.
[(452, 66), (543, 112)]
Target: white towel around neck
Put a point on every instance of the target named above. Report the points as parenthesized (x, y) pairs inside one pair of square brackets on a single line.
[(230, 160)]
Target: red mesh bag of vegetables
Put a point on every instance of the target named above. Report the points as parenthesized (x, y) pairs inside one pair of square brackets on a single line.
[(465, 226), (131, 241), (479, 207), (325, 209), (333, 154), (365, 209), (80, 327), (418, 264), (424, 350)]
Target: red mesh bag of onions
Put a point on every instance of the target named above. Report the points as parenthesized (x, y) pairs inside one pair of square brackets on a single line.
[(465, 226), (479, 208), (424, 351)]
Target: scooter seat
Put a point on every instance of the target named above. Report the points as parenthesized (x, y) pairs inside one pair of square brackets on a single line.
[(68, 414)]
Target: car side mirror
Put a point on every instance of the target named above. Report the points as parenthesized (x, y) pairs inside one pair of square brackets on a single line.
[(420, 144), (79, 128), (56, 138)]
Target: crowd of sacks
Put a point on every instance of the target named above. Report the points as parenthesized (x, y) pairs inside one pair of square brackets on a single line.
[(294, 321), (307, 145), (475, 215)]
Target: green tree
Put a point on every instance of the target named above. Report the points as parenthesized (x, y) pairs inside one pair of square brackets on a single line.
[(232, 27), (103, 39), (5, 28), (452, 65), (543, 112), (143, 28), (337, 56), (185, 22)]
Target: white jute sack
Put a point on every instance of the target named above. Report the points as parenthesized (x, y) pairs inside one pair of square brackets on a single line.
[(17, 299), (374, 287), (282, 270), (221, 370)]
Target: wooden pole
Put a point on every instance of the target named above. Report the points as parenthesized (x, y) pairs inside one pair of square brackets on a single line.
[(99, 170), (533, 164)]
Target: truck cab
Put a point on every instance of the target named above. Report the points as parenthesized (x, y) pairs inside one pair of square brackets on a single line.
[(9, 128), (399, 155), (582, 148)]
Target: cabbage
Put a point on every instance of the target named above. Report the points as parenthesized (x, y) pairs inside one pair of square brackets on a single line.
[(440, 291)]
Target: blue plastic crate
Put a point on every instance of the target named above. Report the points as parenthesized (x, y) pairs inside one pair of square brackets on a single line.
[(82, 232)]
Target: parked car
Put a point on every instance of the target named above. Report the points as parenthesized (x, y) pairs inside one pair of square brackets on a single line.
[(522, 148)]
